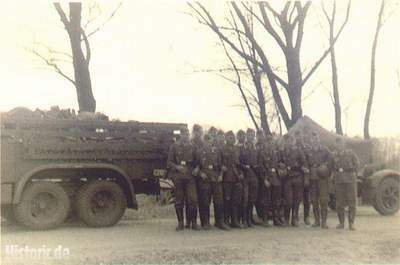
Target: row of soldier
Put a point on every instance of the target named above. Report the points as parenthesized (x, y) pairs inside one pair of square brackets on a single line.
[(238, 174)]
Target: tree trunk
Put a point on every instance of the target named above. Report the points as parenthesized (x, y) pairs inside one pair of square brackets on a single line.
[(294, 83), (336, 98), (372, 81), (83, 83), (261, 102)]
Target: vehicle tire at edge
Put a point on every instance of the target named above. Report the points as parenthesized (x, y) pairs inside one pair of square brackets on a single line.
[(43, 205), (107, 215), (378, 202)]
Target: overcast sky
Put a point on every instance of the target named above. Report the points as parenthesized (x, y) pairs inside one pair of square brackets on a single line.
[(143, 61)]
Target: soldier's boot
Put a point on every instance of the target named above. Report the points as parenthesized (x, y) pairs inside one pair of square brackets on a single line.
[(316, 217), (219, 218), (280, 216), (286, 216), (206, 225), (244, 217), (226, 214), (249, 216), (202, 215), (235, 217), (295, 219), (341, 220), (276, 218), (352, 215), (324, 215), (193, 214), (307, 215), (188, 218), (179, 217)]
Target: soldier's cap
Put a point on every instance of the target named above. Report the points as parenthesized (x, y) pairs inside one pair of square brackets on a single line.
[(297, 133), (197, 127), (184, 131), (212, 130), (260, 132), (229, 134), (250, 130), (314, 133), (220, 132), (240, 133)]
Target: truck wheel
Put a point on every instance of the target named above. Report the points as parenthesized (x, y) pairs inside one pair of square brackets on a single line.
[(43, 205), (386, 201), (100, 203)]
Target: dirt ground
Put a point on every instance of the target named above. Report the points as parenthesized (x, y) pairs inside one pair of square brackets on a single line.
[(148, 236)]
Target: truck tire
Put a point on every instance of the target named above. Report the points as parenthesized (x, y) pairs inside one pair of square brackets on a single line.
[(43, 205), (386, 201), (100, 203)]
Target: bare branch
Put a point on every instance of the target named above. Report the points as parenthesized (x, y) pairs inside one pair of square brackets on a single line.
[(51, 64), (105, 21), (87, 46), (327, 51)]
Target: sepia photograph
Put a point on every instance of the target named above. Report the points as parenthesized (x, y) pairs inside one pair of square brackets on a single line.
[(200, 132)]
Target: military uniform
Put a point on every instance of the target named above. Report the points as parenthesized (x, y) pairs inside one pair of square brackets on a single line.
[(210, 186), (294, 160), (306, 148), (319, 158), (249, 166), (268, 160), (180, 163), (345, 166), (232, 186)]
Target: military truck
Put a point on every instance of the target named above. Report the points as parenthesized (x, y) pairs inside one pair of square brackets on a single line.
[(377, 184), (51, 167)]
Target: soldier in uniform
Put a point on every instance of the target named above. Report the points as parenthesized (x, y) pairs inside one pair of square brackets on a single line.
[(345, 166), (319, 178), (180, 164), (210, 183), (294, 160), (302, 142), (198, 145), (241, 141), (269, 159), (220, 139), (249, 165), (231, 181)]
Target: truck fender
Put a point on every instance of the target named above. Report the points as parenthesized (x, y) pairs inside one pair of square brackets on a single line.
[(377, 177), (128, 189)]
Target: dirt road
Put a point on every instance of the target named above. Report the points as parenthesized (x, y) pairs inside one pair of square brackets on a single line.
[(143, 239)]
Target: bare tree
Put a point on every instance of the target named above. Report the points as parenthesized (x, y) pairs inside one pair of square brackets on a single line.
[(372, 80), (290, 22), (80, 52), (335, 87)]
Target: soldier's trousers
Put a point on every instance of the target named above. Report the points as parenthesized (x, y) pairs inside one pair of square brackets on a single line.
[(208, 190), (276, 200), (264, 199), (346, 195), (185, 196), (293, 193), (319, 195), (306, 201), (232, 193)]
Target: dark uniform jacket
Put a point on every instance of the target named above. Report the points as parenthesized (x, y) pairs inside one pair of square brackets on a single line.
[(230, 159), (269, 160), (180, 154), (249, 160), (209, 157), (318, 157), (294, 159), (345, 166)]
